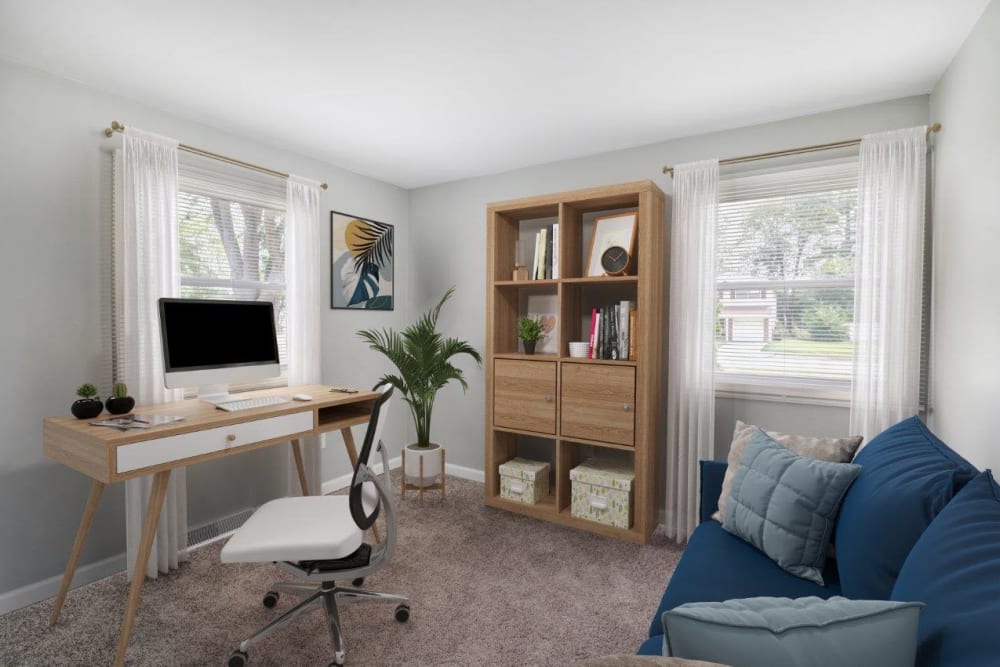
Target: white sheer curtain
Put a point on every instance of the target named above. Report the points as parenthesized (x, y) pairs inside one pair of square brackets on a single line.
[(691, 362), (147, 268), (302, 271), (888, 279)]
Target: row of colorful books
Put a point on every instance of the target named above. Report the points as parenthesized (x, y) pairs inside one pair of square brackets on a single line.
[(613, 331), (545, 263)]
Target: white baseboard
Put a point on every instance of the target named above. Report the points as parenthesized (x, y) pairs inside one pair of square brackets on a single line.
[(338, 483), (46, 588), (461, 472)]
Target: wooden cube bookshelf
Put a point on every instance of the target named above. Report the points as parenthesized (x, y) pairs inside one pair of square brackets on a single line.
[(614, 406)]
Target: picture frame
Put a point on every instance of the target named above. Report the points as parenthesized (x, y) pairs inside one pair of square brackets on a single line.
[(362, 263), (614, 229)]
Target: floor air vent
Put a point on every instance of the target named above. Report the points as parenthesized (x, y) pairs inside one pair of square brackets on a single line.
[(210, 532)]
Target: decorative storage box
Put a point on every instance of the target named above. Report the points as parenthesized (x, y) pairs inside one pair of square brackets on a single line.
[(602, 492), (524, 481)]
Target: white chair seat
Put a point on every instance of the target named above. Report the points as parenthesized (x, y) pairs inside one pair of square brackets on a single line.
[(296, 529)]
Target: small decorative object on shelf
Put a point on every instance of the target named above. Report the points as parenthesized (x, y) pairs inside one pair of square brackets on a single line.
[(423, 357), (120, 402), (522, 252), (89, 404), (529, 330)]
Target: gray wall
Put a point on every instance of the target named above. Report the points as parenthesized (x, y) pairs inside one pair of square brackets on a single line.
[(450, 248), (966, 356), (53, 171)]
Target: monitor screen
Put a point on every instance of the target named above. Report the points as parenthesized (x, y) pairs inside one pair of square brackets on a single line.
[(201, 334)]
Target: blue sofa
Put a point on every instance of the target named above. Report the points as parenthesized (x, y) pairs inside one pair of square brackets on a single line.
[(908, 477)]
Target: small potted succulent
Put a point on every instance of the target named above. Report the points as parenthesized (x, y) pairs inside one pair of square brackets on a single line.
[(529, 330), (120, 402), (89, 404)]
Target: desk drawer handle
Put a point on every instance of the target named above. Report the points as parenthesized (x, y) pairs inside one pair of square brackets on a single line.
[(625, 407), (231, 437)]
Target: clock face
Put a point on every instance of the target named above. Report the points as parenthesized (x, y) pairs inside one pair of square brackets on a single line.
[(614, 260)]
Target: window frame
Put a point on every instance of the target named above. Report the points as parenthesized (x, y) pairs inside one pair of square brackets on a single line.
[(785, 389)]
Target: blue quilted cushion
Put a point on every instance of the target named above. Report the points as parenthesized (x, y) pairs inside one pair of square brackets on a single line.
[(955, 569), (780, 632), (785, 504), (908, 477)]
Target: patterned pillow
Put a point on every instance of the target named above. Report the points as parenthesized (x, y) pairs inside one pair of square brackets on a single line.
[(834, 450)]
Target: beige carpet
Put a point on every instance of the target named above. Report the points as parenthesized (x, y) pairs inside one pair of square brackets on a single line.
[(486, 588)]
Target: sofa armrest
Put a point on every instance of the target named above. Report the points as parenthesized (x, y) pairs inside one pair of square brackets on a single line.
[(712, 474)]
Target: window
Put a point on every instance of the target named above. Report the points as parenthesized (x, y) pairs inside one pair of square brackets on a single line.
[(231, 227), (785, 280)]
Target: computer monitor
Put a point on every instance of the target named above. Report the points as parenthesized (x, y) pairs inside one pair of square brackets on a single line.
[(211, 343)]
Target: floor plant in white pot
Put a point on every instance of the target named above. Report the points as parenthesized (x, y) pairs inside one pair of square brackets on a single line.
[(423, 359)]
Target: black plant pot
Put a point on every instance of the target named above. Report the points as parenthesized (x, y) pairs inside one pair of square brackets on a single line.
[(529, 346), (87, 408), (120, 406)]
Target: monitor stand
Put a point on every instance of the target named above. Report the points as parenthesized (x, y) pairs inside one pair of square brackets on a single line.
[(214, 393)]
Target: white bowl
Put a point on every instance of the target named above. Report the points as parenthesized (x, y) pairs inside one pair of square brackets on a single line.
[(579, 349)]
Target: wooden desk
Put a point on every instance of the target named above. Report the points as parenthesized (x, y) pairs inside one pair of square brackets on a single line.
[(107, 456)]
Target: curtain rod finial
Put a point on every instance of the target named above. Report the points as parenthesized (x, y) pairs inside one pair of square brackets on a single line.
[(324, 186), (108, 132), (936, 127)]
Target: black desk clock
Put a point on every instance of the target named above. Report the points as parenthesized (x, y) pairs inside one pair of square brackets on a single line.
[(615, 261)]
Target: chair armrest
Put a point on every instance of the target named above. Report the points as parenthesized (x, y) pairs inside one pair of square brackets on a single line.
[(711, 474)]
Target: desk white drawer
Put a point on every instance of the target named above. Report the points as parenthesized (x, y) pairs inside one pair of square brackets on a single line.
[(177, 447)]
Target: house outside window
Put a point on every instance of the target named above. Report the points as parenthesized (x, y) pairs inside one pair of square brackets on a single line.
[(785, 258)]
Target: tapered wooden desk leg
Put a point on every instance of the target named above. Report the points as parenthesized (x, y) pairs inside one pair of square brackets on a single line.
[(93, 500), (156, 495), (297, 453), (352, 454)]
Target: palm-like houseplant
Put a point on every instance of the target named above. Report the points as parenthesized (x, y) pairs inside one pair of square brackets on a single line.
[(423, 359)]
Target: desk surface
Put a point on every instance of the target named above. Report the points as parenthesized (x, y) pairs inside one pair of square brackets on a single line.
[(89, 449)]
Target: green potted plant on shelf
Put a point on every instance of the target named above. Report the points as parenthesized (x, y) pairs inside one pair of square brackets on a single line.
[(89, 404), (423, 357), (120, 402), (529, 331)]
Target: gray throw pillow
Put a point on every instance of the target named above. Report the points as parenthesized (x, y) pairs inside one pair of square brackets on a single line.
[(835, 450), (780, 632), (786, 505)]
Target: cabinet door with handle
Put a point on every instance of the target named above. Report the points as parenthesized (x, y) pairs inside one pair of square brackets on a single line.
[(524, 395), (598, 402)]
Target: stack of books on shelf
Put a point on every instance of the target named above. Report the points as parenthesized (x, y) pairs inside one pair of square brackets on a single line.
[(613, 331), (545, 264)]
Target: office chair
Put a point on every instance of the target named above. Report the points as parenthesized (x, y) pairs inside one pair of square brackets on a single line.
[(321, 539)]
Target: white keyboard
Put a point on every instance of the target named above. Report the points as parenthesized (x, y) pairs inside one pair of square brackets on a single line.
[(251, 403)]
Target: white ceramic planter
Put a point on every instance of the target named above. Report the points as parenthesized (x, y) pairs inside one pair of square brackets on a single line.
[(431, 456)]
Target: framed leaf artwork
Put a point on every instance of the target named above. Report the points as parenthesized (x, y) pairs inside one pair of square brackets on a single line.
[(361, 263)]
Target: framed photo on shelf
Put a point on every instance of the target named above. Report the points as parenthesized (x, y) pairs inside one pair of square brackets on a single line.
[(361, 263), (616, 229)]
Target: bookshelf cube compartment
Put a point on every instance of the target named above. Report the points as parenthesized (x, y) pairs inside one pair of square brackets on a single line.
[(529, 299), (578, 303), (508, 446)]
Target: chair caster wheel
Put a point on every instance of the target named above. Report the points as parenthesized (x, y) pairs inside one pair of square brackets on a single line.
[(270, 599), (238, 659), (358, 582), (338, 659), (403, 613)]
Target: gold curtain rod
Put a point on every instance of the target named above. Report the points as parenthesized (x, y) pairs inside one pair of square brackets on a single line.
[(118, 127), (936, 127)]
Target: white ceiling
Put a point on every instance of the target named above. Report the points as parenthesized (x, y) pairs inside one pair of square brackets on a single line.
[(415, 93)]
